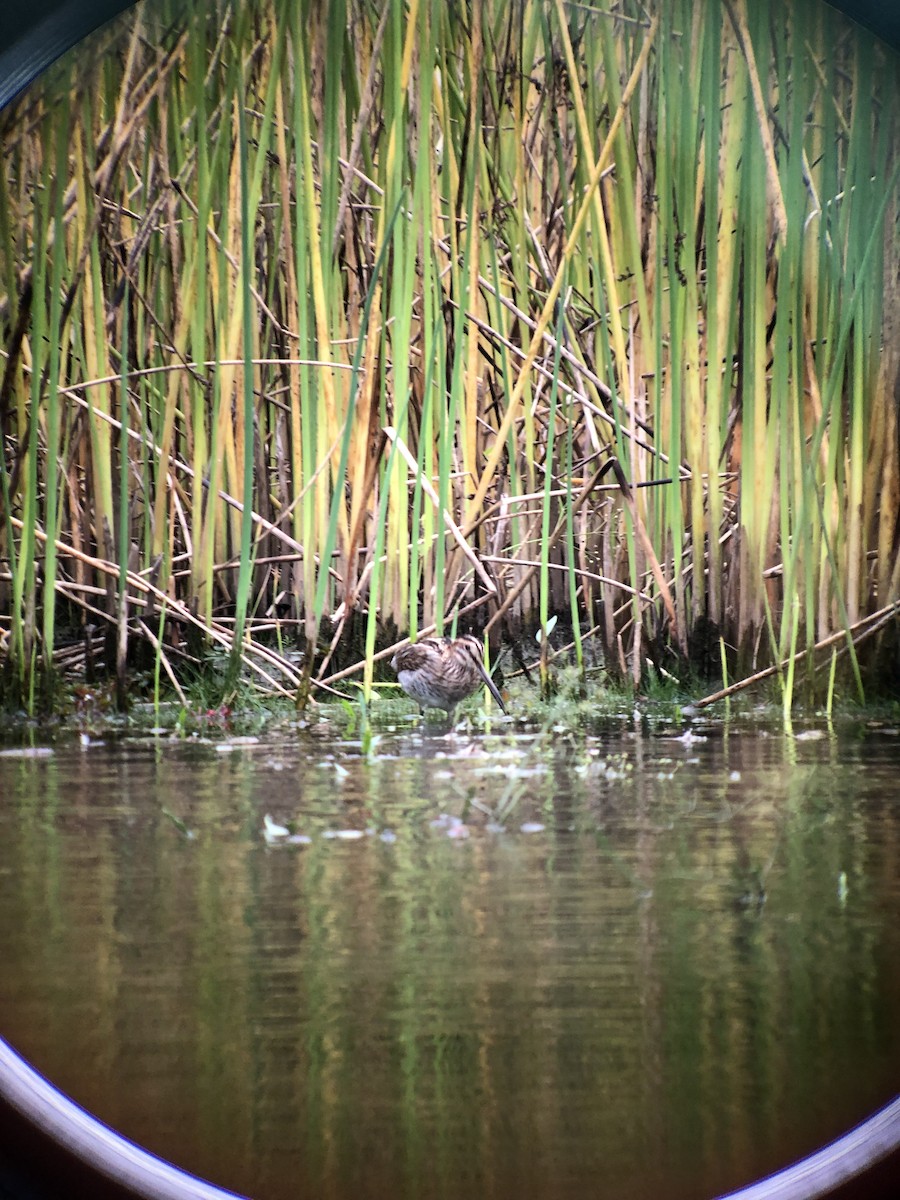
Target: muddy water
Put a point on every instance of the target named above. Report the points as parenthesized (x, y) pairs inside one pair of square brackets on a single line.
[(498, 964)]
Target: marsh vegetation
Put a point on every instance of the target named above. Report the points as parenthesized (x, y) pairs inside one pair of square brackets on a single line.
[(327, 326)]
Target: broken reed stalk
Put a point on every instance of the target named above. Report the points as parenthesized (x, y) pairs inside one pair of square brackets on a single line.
[(859, 632)]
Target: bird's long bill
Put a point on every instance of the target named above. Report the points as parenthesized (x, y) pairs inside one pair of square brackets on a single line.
[(491, 686)]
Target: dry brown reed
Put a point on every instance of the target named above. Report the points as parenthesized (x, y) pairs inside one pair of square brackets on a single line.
[(324, 324)]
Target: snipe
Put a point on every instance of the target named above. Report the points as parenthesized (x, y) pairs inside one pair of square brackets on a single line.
[(438, 672)]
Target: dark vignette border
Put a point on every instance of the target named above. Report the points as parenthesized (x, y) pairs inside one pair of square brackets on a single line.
[(34, 33)]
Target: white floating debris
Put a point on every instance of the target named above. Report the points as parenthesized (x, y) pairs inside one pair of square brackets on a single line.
[(689, 737), (27, 752), (809, 735), (272, 831), (495, 827), (734, 777), (509, 771), (236, 743), (344, 835), (531, 827), (842, 888), (454, 827), (299, 839)]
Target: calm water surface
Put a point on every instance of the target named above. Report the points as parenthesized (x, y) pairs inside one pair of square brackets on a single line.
[(676, 967)]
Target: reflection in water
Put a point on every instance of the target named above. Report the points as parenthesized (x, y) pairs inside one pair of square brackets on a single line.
[(686, 976)]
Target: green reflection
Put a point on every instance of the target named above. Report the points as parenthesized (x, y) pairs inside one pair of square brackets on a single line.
[(686, 979)]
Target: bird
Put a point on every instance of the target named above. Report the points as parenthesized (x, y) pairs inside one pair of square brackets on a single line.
[(438, 672)]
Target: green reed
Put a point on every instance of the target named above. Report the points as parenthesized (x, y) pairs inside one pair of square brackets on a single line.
[(225, 271)]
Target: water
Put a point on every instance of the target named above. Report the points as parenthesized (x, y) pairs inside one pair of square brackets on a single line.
[(683, 974)]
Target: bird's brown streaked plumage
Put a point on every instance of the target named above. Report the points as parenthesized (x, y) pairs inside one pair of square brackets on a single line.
[(438, 672)]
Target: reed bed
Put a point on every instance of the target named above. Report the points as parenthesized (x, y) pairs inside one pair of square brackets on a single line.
[(328, 325)]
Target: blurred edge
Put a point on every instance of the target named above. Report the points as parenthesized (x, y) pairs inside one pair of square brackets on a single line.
[(61, 1150), (35, 33), (861, 1163), (50, 1146)]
